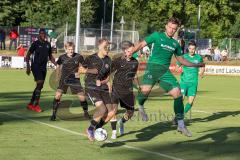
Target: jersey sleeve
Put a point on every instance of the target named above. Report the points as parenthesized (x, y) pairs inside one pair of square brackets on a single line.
[(135, 68), (86, 62), (151, 38), (81, 60), (32, 47), (115, 65), (105, 71), (178, 50), (178, 63), (59, 61)]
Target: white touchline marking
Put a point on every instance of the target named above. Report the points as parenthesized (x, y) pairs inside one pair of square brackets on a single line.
[(198, 111), (80, 134), (223, 98)]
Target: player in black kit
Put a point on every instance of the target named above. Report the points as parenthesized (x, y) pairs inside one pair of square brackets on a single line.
[(69, 64), (40, 50), (96, 85), (124, 69)]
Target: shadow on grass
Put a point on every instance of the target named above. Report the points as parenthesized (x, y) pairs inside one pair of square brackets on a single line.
[(154, 130), (219, 143), (217, 116)]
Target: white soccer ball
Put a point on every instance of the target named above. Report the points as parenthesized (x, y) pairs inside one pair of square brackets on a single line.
[(100, 134)]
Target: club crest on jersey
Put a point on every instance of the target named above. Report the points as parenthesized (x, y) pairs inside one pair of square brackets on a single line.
[(106, 65)]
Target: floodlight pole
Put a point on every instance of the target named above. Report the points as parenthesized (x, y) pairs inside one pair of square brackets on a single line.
[(78, 21), (199, 18), (104, 12), (111, 36), (122, 22)]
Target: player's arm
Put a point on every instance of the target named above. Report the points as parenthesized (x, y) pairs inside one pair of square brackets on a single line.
[(83, 68), (28, 71), (105, 81), (185, 62), (139, 46), (201, 70), (58, 72), (178, 66), (29, 53), (148, 40), (52, 59), (58, 67), (179, 56)]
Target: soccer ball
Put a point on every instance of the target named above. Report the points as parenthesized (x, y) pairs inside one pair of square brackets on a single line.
[(100, 134)]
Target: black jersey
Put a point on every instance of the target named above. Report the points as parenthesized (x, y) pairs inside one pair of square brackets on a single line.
[(70, 65), (125, 73), (40, 50), (103, 65)]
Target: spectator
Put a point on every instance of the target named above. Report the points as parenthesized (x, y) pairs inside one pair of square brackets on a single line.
[(224, 55), (2, 39), (13, 36), (21, 50), (217, 55)]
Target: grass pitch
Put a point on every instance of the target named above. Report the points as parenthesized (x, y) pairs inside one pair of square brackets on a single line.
[(25, 135)]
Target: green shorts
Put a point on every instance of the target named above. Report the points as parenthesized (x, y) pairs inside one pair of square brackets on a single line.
[(188, 89), (159, 73)]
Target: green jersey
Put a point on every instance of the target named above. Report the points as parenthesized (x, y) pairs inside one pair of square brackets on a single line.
[(135, 55), (163, 48), (190, 74)]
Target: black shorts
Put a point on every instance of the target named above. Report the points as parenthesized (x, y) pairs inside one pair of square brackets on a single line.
[(96, 95), (73, 84), (39, 74), (126, 99)]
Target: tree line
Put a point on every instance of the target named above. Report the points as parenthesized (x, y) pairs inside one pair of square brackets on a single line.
[(219, 18)]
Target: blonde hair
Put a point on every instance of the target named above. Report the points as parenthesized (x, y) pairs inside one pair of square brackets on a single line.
[(69, 44)]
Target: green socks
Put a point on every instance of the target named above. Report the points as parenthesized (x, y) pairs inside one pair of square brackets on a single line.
[(179, 108), (141, 98), (187, 107)]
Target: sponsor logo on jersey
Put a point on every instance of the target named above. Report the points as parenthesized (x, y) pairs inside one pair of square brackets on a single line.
[(167, 47), (195, 61)]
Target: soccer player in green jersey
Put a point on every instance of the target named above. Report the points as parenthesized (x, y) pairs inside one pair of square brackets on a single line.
[(189, 76), (157, 70)]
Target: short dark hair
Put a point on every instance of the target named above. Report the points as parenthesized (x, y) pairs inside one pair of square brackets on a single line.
[(192, 43), (174, 20), (126, 45), (42, 30)]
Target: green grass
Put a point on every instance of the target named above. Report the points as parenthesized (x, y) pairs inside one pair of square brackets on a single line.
[(215, 126)]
